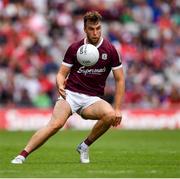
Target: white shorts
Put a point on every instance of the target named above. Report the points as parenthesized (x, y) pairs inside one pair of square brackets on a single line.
[(79, 101)]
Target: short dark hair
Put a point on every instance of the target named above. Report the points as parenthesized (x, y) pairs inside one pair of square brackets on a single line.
[(92, 16)]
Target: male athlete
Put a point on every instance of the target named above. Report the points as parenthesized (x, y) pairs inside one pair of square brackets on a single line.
[(83, 91)]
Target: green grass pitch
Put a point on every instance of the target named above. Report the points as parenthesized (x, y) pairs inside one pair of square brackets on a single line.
[(117, 154)]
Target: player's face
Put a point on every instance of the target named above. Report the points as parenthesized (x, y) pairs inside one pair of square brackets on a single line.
[(93, 32)]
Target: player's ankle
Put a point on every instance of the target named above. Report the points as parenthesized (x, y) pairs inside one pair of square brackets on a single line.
[(88, 142), (24, 153)]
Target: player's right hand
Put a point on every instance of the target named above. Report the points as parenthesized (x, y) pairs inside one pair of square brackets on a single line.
[(62, 92), (61, 88)]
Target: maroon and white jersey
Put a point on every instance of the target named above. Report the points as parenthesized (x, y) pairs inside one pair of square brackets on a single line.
[(91, 80)]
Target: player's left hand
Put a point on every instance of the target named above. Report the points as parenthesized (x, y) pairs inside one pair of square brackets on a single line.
[(118, 118)]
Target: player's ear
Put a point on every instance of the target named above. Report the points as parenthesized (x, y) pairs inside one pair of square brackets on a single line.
[(85, 29)]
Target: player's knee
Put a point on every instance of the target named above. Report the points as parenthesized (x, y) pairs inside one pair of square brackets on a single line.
[(55, 126), (109, 117)]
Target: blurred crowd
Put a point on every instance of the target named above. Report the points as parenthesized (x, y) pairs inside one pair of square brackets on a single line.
[(34, 35)]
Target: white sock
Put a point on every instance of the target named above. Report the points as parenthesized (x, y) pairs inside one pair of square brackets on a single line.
[(84, 146)]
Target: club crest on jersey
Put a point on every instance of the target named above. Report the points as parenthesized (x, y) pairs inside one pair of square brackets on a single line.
[(104, 56)]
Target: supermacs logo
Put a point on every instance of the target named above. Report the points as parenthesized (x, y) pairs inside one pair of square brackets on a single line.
[(91, 71)]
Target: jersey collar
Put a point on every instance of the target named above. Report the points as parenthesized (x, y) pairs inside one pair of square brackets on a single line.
[(98, 45)]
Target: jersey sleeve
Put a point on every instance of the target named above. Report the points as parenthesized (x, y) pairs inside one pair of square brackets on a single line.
[(116, 59), (69, 57)]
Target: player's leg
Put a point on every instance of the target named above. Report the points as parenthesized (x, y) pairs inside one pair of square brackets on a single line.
[(104, 113), (60, 114), (59, 117)]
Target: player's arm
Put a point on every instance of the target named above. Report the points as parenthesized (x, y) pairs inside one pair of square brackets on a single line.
[(119, 93), (61, 79)]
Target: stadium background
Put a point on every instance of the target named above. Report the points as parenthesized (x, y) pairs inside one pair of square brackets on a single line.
[(34, 36)]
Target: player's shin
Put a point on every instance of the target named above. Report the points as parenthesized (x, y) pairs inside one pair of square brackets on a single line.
[(99, 129)]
